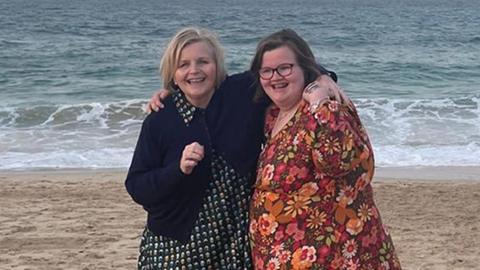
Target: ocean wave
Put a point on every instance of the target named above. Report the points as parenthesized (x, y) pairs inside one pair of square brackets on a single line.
[(447, 155), (422, 121), (404, 132), (103, 115), (462, 110), (120, 157)]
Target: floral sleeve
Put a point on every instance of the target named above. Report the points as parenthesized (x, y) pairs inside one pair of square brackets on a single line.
[(342, 147)]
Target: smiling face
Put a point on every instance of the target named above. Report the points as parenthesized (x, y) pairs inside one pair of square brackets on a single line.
[(195, 73), (284, 91)]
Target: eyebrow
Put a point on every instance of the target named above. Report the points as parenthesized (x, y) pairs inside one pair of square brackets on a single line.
[(199, 58), (276, 66)]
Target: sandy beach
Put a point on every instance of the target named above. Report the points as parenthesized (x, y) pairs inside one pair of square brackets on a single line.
[(86, 220)]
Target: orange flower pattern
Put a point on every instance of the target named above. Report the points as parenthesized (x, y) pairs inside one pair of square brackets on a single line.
[(313, 203)]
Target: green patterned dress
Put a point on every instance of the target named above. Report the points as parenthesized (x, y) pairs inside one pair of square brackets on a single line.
[(219, 239)]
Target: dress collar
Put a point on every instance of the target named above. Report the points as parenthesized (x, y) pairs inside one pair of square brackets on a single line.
[(184, 108)]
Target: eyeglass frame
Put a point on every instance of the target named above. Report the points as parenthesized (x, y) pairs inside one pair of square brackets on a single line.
[(272, 70)]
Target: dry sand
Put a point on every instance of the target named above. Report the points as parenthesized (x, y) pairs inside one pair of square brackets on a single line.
[(86, 220)]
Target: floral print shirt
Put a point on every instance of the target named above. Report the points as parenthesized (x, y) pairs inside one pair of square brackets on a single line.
[(313, 204)]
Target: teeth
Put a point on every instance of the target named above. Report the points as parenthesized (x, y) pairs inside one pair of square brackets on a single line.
[(281, 85), (196, 80)]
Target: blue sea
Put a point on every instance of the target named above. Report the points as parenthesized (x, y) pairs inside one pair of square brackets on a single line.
[(74, 75)]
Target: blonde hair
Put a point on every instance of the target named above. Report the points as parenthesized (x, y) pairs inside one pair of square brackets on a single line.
[(183, 38)]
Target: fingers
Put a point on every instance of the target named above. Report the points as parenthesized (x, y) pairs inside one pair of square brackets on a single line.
[(147, 108), (310, 88), (334, 90), (163, 94), (315, 90), (196, 149), (160, 97), (322, 90), (192, 154), (155, 102), (340, 95)]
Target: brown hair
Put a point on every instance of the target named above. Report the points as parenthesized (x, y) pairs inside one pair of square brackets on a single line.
[(301, 50), (183, 38)]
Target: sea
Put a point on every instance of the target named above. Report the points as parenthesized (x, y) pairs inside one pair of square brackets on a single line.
[(75, 75)]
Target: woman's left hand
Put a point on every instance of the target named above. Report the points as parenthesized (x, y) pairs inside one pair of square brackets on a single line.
[(322, 90)]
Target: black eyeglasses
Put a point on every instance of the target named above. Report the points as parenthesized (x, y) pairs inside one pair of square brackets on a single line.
[(283, 70)]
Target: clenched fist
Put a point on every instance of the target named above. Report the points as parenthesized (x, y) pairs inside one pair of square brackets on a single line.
[(192, 154)]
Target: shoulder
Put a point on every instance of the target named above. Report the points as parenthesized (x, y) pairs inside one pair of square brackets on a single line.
[(163, 116), (339, 117), (239, 86), (239, 79)]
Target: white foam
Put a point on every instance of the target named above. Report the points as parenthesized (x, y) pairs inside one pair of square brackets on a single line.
[(101, 158), (451, 155), (442, 132)]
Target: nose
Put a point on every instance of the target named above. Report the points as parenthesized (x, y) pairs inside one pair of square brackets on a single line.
[(194, 68)]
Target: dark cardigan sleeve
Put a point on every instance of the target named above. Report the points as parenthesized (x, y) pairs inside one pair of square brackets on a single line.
[(148, 181)]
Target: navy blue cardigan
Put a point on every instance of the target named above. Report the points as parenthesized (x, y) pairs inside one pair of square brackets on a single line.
[(232, 124)]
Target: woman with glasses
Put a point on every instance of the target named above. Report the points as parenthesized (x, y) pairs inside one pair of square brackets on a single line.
[(195, 160), (313, 205)]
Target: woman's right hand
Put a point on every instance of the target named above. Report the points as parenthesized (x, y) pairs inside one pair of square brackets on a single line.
[(192, 154), (155, 102)]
